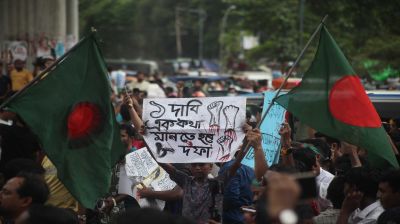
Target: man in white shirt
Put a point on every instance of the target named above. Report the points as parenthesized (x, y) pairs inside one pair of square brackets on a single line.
[(141, 83), (360, 205), (369, 214), (311, 157)]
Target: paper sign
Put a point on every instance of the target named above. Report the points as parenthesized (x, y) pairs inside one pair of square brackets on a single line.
[(140, 163), (191, 130), (141, 167), (141, 170), (270, 132), (130, 187)]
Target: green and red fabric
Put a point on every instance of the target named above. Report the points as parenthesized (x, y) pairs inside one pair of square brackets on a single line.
[(71, 113), (332, 100)]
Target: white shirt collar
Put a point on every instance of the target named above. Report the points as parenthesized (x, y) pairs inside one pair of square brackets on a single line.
[(367, 210)]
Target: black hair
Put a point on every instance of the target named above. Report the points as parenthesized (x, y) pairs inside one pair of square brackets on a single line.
[(248, 115), (130, 130), (335, 192), (124, 111), (329, 139), (304, 212), (364, 180), (33, 186), (15, 166), (47, 214), (390, 216), (392, 177), (305, 159), (169, 89), (283, 168), (135, 90), (150, 215), (41, 61), (109, 68), (342, 165)]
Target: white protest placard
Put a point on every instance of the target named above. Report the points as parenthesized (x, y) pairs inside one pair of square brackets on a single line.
[(140, 163), (143, 171), (141, 166), (271, 140), (130, 187), (193, 130)]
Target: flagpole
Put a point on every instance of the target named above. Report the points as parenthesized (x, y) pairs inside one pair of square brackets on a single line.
[(246, 147), (38, 77), (291, 70)]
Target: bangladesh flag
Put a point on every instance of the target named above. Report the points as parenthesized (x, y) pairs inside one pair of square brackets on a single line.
[(332, 100), (71, 113)]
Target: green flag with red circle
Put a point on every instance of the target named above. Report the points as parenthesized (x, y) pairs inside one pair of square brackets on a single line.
[(70, 112), (332, 100)]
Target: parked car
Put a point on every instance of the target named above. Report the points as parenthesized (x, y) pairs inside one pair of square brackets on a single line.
[(146, 66), (387, 103)]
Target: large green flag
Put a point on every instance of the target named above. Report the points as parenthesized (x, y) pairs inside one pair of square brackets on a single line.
[(71, 113), (332, 100)]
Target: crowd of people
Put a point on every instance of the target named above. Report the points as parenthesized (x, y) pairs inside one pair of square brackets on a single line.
[(318, 179)]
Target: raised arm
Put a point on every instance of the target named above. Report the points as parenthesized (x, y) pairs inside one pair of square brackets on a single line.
[(260, 163), (352, 151), (135, 118), (253, 138), (179, 87), (286, 143)]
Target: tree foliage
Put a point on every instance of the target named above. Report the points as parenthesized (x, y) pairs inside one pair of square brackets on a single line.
[(364, 29), (146, 28)]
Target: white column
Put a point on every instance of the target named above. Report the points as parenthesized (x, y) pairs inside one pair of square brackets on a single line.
[(31, 14), (59, 18), (42, 19), (22, 20), (73, 18), (13, 19), (3, 20)]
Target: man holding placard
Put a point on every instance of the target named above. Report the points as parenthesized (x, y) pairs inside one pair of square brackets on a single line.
[(203, 197), (201, 131)]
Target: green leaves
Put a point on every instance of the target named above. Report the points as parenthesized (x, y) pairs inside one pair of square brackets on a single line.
[(364, 29)]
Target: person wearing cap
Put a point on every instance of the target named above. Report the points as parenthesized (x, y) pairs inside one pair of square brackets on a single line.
[(307, 157)]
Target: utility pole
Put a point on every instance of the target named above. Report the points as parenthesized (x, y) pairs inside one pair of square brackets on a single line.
[(178, 33), (202, 17), (221, 37)]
